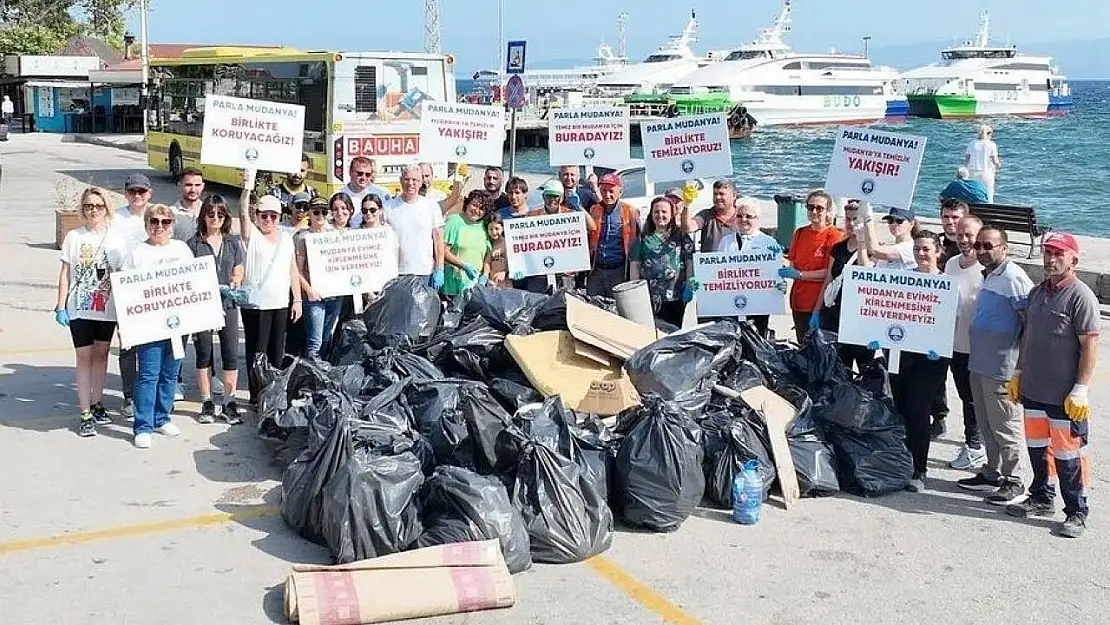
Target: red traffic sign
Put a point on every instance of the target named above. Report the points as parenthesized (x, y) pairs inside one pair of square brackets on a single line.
[(514, 92)]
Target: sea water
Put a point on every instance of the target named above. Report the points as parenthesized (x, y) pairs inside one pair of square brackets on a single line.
[(1058, 165)]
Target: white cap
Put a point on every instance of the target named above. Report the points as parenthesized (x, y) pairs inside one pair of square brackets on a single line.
[(269, 204)]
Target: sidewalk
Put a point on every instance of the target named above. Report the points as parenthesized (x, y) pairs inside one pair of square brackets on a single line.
[(134, 143)]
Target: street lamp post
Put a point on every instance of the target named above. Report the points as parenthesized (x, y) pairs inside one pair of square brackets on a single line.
[(501, 49), (866, 41), (145, 63)]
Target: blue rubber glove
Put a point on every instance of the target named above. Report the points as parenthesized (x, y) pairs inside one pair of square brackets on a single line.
[(517, 276), (62, 317), (789, 273), (782, 286), (470, 271), (932, 355), (437, 279), (775, 248), (694, 285), (574, 202), (483, 279), (874, 346), (815, 320), (688, 293)]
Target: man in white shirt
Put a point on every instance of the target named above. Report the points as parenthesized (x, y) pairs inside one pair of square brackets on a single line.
[(187, 209), (363, 170), (131, 222), (418, 222), (967, 271)]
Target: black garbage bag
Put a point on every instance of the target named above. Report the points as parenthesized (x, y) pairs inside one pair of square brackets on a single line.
[(566, 515), (387, 366), (731, 438), (869, 438), (390, 409), (463, 423), (583, 438), (763, 353), (742, 376), (817, 362), (460, 506), (348, 345), (272, 384), (659, 477), (349, 378), (814, 459), (467, 351), (370, 507), (552, 315), (407, 313), (504, 309), (513, 394), (682, 368)]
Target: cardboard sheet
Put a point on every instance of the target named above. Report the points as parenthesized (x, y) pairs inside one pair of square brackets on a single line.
[(608, 332), (446, 579), (778, 414), (551, 362)]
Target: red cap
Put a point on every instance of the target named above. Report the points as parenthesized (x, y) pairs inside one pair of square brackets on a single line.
[(1061, 241), (612, 180)]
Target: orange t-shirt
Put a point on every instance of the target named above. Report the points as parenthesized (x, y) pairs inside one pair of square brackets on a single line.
[(809, 251)]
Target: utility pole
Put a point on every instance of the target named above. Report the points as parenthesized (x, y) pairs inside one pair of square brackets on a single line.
[(501, 49), (431, 27), (144, 55), (866, 41)]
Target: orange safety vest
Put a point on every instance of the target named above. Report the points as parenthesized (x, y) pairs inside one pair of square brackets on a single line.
[(630, 228)]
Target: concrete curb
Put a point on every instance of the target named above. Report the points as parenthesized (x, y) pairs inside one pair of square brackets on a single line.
[(132, 146)]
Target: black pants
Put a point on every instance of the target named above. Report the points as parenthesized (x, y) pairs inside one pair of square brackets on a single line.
[(264, 333), (939, 407), (913, 389), (127, 370), (857, 356), (962, 377), (229, 344), (601, 281), (801, 324), (672, 312)]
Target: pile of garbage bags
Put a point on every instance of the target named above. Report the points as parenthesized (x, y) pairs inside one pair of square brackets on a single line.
[(420, 429)]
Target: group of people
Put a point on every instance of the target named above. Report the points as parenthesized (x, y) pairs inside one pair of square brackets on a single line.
[(455, 242)]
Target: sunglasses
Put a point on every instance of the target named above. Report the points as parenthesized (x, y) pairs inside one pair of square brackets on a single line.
[(746, 216), (300, 207), (816, 207), (362, 174), (90, 206), (137, 191), (214, 215), (267, 216), (984, 247), (371, 210), (319, 212), (165, 223), (895, 220)]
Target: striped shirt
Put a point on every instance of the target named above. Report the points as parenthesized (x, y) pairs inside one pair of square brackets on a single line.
[(996, 326)]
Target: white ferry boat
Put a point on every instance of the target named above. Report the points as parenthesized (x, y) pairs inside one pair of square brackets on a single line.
[(670, 62), (776, 86), (979, 79)]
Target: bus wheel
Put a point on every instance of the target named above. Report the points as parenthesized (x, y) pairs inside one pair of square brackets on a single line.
[(177, 162)]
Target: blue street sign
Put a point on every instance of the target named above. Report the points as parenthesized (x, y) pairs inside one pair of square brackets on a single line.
[(514, 58), (514, 92)]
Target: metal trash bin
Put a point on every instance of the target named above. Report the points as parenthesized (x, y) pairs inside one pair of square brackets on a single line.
[(792, 215)]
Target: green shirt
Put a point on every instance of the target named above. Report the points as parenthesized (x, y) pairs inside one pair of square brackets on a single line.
[(469, 243)]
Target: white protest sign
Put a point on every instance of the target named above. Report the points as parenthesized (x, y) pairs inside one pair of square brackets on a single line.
[(902, 310), (168, 301), (739, 283), (547, 244), (875, 166), (588, 136), (695, 146), (346, 262), (471, 133), (252, 134)]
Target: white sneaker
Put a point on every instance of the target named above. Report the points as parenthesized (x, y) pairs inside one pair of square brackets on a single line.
[(217, 386), (128, 410), (168, 429), (179, 392), (969, 458), (142, 441)]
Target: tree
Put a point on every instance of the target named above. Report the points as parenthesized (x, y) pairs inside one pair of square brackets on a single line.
[(44, 26)]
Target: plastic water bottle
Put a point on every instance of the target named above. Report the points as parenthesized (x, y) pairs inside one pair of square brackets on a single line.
[(747, 494)]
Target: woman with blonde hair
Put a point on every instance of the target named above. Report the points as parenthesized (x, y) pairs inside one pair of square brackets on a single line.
[(89, 255), (981, 159), (156, 367)]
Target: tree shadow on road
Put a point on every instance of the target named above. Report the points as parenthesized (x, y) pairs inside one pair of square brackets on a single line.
[(43, 399)]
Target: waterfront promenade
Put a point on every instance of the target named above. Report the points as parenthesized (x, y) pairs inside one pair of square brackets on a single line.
[(94, 531)]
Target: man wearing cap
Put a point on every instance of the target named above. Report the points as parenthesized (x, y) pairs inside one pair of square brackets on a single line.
[(363, 171), (131, 222), (293, 189), (995, 334), (1059, 351), (612, 229), (296, 212)]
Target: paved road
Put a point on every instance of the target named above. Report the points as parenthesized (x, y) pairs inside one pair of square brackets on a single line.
[(186, 531)]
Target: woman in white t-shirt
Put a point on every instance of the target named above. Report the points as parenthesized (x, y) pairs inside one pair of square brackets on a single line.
[(156, 368), (89, 255), (271, 273), (981, 159), (899, 255)]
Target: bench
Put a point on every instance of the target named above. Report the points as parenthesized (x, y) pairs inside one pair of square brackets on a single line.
[(1012, 219)]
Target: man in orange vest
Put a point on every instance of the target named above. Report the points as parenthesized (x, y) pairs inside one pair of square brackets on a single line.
[(615, 226)]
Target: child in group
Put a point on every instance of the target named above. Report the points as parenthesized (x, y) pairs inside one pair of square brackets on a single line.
[(496, 266)]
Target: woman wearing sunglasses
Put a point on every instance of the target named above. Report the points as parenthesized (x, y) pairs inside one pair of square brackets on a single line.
[(373, 215), (89, 255), (320, 313), (898, 256), (809, 253), (156, 367), (214, 238), (271, 275)]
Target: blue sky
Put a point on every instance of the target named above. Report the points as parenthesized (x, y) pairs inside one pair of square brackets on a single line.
[(469, 27)]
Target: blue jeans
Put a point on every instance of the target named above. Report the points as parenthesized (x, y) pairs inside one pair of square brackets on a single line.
[(319, 319), (156, 373)]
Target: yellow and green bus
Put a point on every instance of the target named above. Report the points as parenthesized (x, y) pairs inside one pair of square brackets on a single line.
[(356, 104)]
